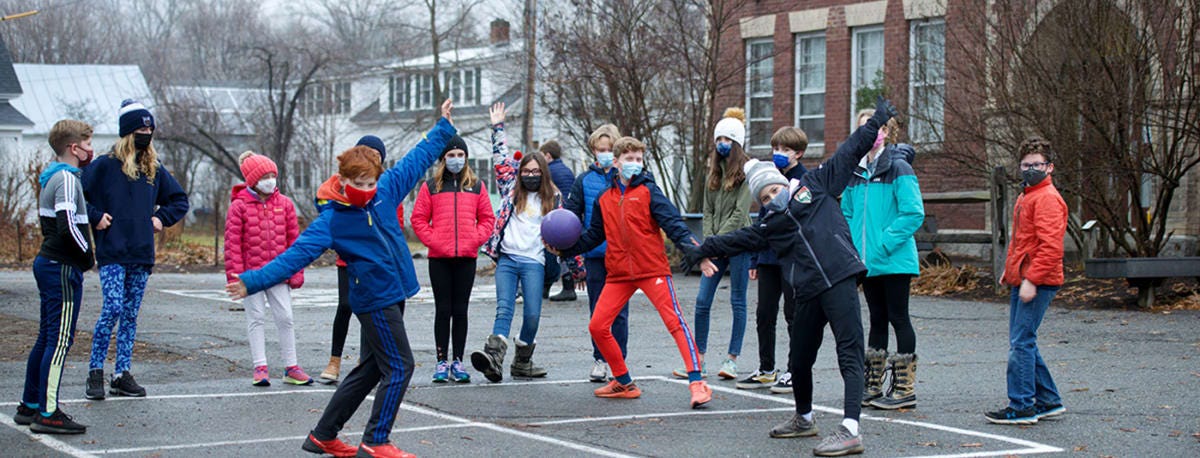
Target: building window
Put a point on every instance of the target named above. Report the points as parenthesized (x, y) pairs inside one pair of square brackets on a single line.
[(867, 71), (398, 93), (470, 87), (453, 84), (341, 97), (760, 87), (810, 88), (425, 92), (927, 81), (301, 176), (325, 98)]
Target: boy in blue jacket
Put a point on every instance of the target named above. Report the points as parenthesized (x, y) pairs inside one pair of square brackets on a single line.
[(369, 238), (805, 228)]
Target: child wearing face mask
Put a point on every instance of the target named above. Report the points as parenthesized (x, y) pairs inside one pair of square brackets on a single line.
[(261, 225), (453, 217), (528, 194)]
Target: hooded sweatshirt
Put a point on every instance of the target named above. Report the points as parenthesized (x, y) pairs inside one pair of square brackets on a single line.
[(62, 215)]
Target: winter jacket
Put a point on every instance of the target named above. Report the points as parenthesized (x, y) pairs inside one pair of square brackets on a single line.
[(810, 237), (582, 199), (884, 210), (632, 220), (768, 257), (62, 215), (726, 211), (131, 203), (506, 180), (562, 176), (369, 239), (330, 192), (453, 222), (257, 230), (1035, 250)]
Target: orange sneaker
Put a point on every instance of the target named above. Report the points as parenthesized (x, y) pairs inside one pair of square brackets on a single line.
[(383, 451), (701, 394), (615, 389), (333, 447)]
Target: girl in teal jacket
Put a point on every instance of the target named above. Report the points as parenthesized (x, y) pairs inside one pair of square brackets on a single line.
[(883, 208)]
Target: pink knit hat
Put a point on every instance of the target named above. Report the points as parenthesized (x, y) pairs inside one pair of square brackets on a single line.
[(254, 166)]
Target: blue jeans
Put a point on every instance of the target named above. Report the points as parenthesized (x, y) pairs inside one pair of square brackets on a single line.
[(739, 277), (1029, 380), (596, 275), (529, 274)]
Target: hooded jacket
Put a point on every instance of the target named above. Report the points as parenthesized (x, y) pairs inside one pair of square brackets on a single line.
[(726, 211), (257, 229), (581, 200), (810, 237), (131, 203), (453, 222), (369, 238), (883, 210), (62, 215), (767, 256), (1039, 224)]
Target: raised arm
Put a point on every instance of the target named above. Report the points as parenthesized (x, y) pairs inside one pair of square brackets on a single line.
[(836, 172), (400, 179)]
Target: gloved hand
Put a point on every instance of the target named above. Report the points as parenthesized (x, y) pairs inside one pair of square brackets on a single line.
[(884, 111)]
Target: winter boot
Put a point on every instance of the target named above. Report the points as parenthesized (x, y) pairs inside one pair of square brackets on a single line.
[(522, 365), (876, 366), (490, 361), (330, 375), (567, 294), (904, 376)]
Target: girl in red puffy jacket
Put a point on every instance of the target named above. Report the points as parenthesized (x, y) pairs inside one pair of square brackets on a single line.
[(260, 225), (452, 217)]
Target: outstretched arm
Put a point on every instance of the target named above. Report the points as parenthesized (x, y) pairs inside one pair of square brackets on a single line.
[(591, 238), (311, 244)]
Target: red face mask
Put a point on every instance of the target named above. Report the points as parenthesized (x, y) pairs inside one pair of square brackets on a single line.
[(359, 198)]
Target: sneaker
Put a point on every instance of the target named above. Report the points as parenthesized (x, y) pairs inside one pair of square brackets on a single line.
[(728, 369), (95, 385), (262, 377), (615, 389), (441, 374), (125, 385), (783, 385), (701, 394), (24, 414), (796, 426), (1008, 416), (334, 447), (600, 372), (382, 451), (57, 423), (758, 380), (459, 373), (294, 375), (682, 372), (840, 443), (1048, 411)]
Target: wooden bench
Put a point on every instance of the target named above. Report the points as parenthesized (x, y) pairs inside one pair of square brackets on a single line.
[(1145, 274)]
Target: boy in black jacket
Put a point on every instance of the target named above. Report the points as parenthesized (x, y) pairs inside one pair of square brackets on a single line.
[(806, 229)]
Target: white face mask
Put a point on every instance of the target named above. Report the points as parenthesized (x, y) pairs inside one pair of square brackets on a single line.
[(266, 186)]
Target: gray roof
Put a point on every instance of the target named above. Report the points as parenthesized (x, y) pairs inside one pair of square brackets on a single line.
[(89, 93), (9, 84), (9, 116)]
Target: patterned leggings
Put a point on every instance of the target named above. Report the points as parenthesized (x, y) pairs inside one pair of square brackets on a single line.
[(123, 286)]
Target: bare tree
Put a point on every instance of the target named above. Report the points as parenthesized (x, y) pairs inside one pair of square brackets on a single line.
[(42, 38)]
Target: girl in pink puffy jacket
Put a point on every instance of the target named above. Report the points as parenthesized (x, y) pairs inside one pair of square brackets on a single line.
[(260, 225), (452, 217)]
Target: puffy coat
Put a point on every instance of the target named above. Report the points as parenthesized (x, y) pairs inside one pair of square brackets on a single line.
[(632, 220), (884, 209), (453, 222), (582, 199), (561, 175), (378, 262), (1035, 252), (257, 230)]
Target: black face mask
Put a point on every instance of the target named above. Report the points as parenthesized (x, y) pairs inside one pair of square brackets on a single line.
[(142, 141), (531, 184), (1032, 176)]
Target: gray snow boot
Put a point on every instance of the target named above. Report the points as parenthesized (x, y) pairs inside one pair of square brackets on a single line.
[(522, 365), (876, 367), (490, 361)]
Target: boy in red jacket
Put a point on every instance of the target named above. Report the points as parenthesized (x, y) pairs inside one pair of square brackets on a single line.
[(1034, 270), (630, 216)]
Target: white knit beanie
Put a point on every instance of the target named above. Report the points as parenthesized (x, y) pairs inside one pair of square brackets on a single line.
[(732, 126)]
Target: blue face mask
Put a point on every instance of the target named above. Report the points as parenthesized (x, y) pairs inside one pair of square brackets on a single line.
[(605, 160), (455, 164), (724, 148), (782, 160), (630, 170), (779, 203)]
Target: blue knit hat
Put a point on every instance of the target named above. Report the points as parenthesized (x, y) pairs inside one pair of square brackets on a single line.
[(375, 143), (133, 116)]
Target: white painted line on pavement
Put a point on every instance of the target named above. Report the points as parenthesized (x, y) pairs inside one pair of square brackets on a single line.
[(258, 441), (46, 439), (658, 415), (502, 385), (189, 396)]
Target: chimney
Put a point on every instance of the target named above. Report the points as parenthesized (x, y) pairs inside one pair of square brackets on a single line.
[(499, 34)]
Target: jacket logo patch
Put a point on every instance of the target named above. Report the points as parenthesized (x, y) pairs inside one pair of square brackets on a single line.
[(877, 180), (803, 196)]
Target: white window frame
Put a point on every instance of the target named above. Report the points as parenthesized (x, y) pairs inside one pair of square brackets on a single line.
[(855, 64), (399, 92), (815, 149), (915, 131), (424, 91), (452, 81), (769, 118)]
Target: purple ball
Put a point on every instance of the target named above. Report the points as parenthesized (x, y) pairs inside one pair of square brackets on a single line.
[(561, 229)]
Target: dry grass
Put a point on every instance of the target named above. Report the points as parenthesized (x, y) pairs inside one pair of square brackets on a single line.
[(945, 279)]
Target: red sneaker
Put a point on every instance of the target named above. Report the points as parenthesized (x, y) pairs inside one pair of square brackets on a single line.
[(701, 394), (333, 447), (615, 389), (383, 451)]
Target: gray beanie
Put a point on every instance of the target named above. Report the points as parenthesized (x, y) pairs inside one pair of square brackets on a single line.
[(760, 174)]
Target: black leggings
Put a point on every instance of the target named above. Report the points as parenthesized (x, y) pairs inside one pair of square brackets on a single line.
[(771, 287), (839, 307), (452, 280), (887, 299), (341, 319)]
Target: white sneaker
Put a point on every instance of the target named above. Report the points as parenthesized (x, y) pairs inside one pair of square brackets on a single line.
[(599, 372), (783, 385)]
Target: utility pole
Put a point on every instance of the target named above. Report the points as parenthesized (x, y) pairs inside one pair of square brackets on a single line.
[(530, 69)]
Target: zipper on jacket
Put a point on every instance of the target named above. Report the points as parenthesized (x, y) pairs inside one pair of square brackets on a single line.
[(625, 231), (391, 251), (455, 213), (807, 246), (866, 196)]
